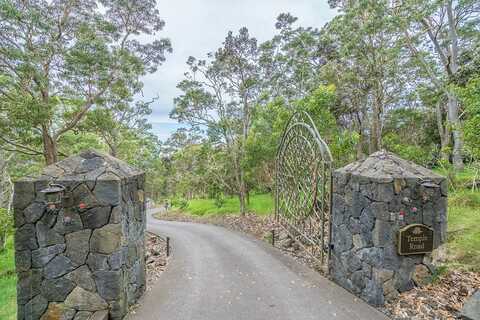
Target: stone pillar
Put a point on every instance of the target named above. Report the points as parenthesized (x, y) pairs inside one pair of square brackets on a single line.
[(372, 201), (86, 256)]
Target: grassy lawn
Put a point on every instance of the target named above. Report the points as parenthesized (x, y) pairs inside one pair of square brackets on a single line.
[(464, 229), (8, 306), (261, 204)]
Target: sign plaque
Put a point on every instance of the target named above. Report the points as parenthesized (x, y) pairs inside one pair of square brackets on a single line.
[(415, 239)]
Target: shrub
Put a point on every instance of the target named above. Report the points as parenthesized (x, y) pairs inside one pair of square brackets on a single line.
[(180, 203), (219, 200)]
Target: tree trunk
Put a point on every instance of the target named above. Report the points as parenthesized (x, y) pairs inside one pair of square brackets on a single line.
[(444, 133), (376, 129), (50, 149), (241, 179), (3, 240), (112, 150), (242, 193), (454, 121), (243, 205), (113, 143), (359, 147), (361, 117), (452, 110)]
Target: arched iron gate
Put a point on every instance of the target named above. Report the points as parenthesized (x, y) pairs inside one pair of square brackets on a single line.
[(303, 186)]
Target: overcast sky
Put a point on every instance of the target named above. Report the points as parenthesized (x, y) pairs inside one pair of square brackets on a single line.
[(197, 27)]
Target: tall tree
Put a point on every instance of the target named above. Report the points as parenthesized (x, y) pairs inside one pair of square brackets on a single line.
[(437, 33), (221, 95), (60, 59), (368, 58), (291, 60)]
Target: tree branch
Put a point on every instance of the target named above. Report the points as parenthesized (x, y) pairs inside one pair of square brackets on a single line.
[(436, 44), (17, 145), (79, 116), (453, 39), (424, 64)]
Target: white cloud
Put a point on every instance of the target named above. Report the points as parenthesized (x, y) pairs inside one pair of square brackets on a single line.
[(198, 27)]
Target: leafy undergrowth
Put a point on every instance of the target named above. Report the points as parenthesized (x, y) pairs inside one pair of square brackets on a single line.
[(8, 280), (261, 204)]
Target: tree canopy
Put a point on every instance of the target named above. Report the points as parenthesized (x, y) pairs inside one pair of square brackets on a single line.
[(402, 76), (59, 60), (380, 75)]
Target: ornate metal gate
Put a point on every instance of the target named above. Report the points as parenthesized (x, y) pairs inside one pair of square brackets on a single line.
[(303, 186)]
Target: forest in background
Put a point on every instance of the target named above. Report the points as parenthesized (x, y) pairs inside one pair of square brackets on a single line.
[(397, 75)]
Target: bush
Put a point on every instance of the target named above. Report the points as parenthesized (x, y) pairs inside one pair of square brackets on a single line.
[(219, 200), (180, 203), (421, 155)]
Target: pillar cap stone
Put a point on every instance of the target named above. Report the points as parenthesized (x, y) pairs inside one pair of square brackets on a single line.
[(383, 165), (88, 165)]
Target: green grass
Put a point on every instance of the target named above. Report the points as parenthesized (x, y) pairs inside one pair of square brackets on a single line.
[(8, 291), (463, 241), (460, 180), (464, 229), (464, 199), (261, 204)]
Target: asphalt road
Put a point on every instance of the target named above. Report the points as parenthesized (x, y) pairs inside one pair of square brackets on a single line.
[(217, 274)]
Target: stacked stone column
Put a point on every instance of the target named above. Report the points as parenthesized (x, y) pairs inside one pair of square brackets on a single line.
[(372, 200), (85, 258)]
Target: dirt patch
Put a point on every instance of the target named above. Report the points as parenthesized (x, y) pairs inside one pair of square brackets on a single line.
[(156, 262), (155, 258), (442, 299)]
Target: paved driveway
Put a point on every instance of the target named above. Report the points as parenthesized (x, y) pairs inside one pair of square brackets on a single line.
[(217, 274)]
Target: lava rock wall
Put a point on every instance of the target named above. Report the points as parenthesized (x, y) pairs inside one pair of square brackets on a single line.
[(84, 258), (372, 200)]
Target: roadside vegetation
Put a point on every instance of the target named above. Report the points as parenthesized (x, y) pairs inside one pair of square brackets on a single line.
[(463, 219), (463, 246), (8, 280), (261, 204)]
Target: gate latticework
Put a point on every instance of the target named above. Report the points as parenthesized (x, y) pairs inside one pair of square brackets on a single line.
[(303, 186)]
